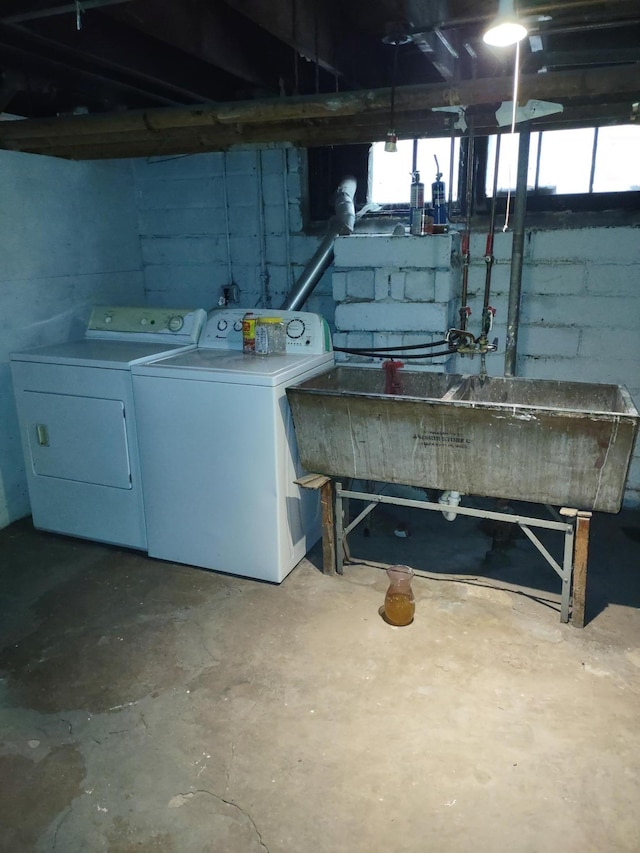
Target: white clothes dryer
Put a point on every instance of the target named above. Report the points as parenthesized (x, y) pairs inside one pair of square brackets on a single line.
[(78, 423), (218, 449)]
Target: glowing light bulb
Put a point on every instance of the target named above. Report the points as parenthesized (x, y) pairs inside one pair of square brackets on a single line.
[(505, 29), (391, 142)]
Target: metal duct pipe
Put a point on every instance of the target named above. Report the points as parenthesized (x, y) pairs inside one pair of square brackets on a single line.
[(345, 205), (342, 223), (517, 253)]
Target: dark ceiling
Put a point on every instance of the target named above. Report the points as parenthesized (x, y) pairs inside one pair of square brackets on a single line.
[(103, 57)]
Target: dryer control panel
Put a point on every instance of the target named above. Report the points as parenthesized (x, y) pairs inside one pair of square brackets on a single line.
[(176, 325), (307, 333)]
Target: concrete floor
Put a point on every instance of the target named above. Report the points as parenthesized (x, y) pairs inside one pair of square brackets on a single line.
[(148, 706)]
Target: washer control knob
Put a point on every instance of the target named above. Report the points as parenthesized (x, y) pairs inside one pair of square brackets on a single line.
[(295, 328), (175, 323), (222, 325), (237, 326), (108, 318), (144, 321)]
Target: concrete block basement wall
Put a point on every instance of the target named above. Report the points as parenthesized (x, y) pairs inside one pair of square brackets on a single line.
[(580, 309), (209, 220), (69, 241), (395, 291)]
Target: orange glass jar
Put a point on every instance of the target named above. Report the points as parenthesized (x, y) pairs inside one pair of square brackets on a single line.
[(399, 603)]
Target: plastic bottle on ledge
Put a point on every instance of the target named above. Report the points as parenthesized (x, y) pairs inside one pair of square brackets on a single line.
[(416, 206), (438, 199)]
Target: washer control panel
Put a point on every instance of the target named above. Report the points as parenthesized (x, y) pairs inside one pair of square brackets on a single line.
[(307, 333), (178, 325)]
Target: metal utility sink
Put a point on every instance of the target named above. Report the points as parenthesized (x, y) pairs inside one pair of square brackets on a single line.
[(371, 382), (544, 393), (561, 443)]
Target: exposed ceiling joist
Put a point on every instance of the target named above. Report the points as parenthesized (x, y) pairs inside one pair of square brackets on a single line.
[(132, 55), (75, 9), (316, 30), (213, 32), (118, 54), (73, 79), (581, 58), (307, 26), (436, 51)]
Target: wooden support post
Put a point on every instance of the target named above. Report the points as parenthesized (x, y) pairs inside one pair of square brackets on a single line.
[(325, 485), (580, 556), (328, 529)]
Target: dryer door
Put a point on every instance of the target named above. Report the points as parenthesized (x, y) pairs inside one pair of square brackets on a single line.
[(77, 438)]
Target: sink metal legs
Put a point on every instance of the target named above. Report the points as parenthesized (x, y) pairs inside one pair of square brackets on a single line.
[(574, 524)]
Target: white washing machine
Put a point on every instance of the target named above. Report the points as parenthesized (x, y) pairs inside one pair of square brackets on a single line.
[(78, 423), (219, 454)]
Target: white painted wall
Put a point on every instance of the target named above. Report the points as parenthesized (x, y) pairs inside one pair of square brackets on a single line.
[(69, 241), (193, 243)]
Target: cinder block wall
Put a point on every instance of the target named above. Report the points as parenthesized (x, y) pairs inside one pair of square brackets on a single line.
[(395, 291), (580, 310), (69, 241), (580, 306), (210, 220)]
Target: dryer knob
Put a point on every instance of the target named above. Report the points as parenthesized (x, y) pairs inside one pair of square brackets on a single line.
[(175, 323), (295, 328), (222, 325)]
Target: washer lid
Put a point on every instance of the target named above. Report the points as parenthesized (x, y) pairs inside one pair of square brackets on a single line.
[(232, 367), (99, 353)]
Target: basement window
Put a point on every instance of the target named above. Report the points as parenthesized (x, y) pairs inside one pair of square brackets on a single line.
[(590, 169), (570, 162), (569, 170), (390, 173)]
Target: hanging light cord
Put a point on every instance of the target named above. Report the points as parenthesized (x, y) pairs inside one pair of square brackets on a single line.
[(516, 83), (394, 74)]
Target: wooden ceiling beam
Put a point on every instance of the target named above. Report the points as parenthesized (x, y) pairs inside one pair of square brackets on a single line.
[(324, 120), (316, 133)]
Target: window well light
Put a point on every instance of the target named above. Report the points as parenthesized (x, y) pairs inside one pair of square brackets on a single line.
[(505, 29)]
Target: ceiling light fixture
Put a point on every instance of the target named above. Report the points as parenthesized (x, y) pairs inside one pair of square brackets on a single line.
[(391, 141), (505, 29)]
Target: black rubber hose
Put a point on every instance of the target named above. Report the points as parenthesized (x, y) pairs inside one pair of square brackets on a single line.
[(391, 349), (373, 354)]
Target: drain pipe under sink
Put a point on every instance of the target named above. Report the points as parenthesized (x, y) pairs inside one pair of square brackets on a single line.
[(449, 498)]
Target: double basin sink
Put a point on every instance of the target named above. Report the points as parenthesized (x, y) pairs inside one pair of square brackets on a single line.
[(546, 441)]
